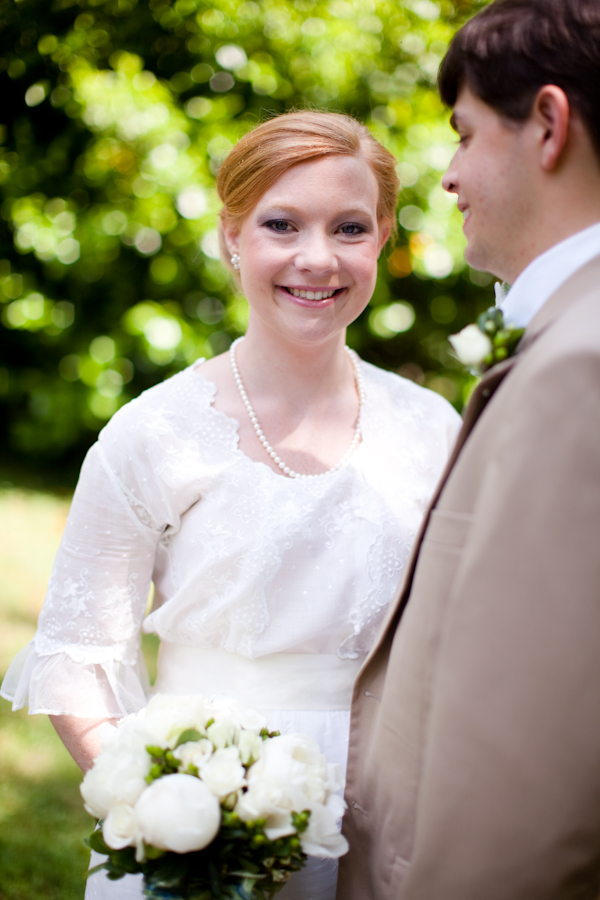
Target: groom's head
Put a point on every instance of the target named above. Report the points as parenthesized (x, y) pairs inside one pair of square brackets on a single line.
[(523, 79)]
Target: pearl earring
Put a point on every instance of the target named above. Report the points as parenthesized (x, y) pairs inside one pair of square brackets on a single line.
[(235, 261)]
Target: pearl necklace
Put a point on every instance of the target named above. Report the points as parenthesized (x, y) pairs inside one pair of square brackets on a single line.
[(259, 432)]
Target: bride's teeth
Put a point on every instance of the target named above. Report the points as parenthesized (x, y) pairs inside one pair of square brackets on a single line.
[(312, 295)]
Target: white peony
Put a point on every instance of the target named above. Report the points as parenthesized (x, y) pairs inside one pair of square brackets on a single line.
[(224, 773), (471, 345), (117, 776), (292, 775), (246, 717), (119, 827), (295, 760), (194, 753), (179, 813), (222, 734), (322, 838), (335, 777), (273, 802), (250, 746), (168, 716)]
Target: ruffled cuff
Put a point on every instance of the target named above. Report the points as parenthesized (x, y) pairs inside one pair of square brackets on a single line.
[(58, 686)]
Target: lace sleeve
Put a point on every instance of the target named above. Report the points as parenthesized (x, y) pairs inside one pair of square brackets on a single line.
[(85, 658)]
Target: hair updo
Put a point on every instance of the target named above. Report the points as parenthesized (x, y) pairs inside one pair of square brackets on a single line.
[(264, 154)]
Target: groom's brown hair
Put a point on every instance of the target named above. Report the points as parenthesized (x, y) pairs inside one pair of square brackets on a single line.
[(511, 49)]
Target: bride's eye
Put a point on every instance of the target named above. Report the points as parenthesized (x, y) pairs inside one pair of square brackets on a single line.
[(279, 225), (352, 228)]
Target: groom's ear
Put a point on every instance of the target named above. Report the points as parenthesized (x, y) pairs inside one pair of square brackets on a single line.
[(551, 111)]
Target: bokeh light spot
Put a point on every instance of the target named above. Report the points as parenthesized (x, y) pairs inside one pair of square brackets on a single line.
[(411, 218), (392, 319), (148, 241), (192, 202), (230, 56), (35, 94), (438, 261), (102, 349), (164, 269), (163, 332)]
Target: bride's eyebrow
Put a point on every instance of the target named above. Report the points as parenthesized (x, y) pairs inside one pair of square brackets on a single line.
[(280, 212)]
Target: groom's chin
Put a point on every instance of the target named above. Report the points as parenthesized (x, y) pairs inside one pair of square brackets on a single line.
[(480, 261)]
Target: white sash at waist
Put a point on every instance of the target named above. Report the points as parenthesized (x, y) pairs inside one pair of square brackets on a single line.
[(301, 681)]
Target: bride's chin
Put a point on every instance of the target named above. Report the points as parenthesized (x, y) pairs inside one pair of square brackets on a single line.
[(311, 335)]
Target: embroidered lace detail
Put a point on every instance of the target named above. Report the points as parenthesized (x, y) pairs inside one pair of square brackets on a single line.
[(242, 558)]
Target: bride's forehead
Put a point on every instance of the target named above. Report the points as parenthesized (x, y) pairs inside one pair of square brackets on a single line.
[(324, 178)]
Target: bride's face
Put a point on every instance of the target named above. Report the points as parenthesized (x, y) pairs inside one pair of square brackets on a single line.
[(308, 249)]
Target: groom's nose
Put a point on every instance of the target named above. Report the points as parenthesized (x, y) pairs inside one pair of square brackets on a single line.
[(450, 179)]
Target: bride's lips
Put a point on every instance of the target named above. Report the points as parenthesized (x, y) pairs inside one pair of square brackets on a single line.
[(315, 295)]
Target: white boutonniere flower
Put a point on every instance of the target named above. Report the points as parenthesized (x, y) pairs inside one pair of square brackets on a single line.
[(471, 345), (480, 346)]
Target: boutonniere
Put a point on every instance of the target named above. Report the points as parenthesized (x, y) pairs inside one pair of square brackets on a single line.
[(489, 341)]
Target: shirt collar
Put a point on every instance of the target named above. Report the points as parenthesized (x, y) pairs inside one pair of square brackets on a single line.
[(546, 273)]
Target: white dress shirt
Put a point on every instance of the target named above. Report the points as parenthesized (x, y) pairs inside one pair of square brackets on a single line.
[(546, 273)]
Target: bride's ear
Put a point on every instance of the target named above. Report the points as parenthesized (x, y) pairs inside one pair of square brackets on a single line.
[(385, 229), (228, 246), (230, 237)]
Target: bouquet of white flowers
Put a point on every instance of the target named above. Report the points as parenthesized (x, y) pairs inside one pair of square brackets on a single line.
[(208, 804)]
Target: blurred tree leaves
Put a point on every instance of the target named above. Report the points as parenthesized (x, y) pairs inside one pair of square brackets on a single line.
[(117, 113)]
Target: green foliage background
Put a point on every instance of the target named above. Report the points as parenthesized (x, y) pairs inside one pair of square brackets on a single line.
[(117, 113)]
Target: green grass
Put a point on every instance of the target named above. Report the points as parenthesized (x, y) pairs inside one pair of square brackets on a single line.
[(42, 820)]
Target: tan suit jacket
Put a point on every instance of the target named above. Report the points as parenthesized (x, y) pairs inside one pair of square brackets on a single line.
[(474, 765)]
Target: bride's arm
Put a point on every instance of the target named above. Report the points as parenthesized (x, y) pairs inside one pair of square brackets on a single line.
[(84, 666), (81, 737)]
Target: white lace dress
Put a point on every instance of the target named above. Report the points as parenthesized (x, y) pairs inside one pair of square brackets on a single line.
[(267, 588)]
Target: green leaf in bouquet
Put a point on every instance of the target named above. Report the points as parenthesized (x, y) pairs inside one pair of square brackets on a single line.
[(155, 751), (258, 840), (171, 871), (163, 762), (156, 771), (190, 734), (95, 869), (265, 734), (125, 859), (153, 852), (300, 820), (96, 842), (214, 878)]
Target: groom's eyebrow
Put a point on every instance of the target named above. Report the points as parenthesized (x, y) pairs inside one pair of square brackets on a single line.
[(454, 121)]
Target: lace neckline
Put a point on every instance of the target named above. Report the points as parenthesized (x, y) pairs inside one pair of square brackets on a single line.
[(234, 425)]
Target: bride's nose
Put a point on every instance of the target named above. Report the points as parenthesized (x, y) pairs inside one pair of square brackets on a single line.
[(316, 254)]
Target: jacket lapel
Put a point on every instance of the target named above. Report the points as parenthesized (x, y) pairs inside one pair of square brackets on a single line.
[(479, 400)]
